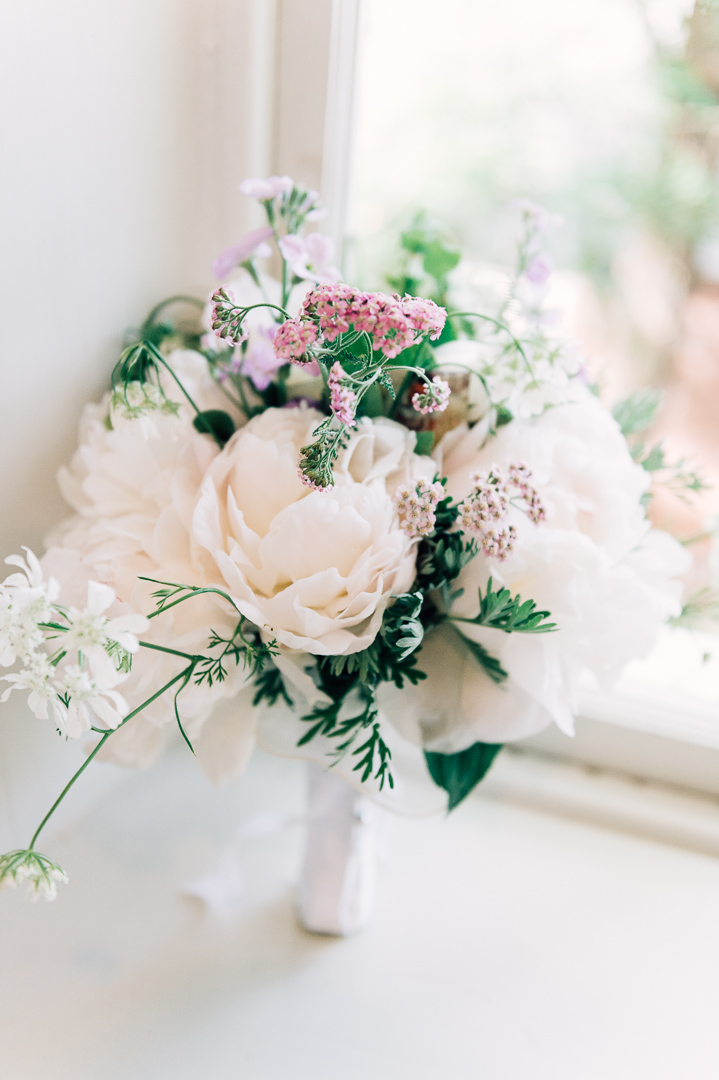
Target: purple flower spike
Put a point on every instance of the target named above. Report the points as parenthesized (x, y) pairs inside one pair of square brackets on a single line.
[(252, 243)]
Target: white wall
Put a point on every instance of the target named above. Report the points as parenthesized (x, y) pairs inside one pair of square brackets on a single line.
[(126, 126)]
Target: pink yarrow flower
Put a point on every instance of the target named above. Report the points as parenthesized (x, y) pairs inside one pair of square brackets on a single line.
[(252, 243), (485, 509), (416, 505), (292, 340), (434, 397), (342, 398), (425, 316), (226, 319), (393, 323)]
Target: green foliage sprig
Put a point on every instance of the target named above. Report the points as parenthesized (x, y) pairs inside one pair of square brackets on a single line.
[(499, 610), (635, 414)]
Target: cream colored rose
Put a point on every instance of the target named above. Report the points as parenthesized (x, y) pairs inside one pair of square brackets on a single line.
[(314, 569)]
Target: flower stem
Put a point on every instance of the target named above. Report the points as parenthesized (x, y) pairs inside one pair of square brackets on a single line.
[(96, 751), (180, 298), (500, 326)]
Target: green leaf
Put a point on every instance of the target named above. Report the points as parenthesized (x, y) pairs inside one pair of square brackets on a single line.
[(486, 660), (215, 422), (425, 442), (439, 259), (654, 459), (458, 774), (636, 412)]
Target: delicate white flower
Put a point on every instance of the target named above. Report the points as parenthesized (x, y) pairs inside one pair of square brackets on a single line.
[(36, 871), (314, 570), (38, 677), (26, 601), (608, 580), (89, 701), (310, 257), (90, 632)]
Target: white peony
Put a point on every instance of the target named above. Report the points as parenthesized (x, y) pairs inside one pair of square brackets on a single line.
[(134, 493), (314, 569), (607, 578)]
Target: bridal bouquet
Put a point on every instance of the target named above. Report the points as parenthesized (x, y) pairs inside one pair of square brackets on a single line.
[(350, 526)]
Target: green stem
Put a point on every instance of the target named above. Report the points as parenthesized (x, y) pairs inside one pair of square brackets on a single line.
[(180, 298), (163, 648), (96, 751), (500, 326), (406, 383), (159, 357)]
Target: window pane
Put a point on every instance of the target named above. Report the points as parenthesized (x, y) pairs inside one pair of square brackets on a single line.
[(607, 113)]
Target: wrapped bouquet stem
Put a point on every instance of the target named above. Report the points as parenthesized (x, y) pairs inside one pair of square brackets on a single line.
[(336, 891), (353, 527)]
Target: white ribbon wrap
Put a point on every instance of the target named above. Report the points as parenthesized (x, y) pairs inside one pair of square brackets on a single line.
[(345, 836)]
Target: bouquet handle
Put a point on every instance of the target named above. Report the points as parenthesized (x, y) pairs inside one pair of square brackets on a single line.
[(344, 843)]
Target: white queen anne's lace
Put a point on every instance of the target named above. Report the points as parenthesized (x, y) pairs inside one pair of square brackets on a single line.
[(70, 658)]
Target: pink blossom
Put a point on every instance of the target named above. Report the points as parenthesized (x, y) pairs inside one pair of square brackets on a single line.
[(261, 362), (538, 270), (425, 316), (226, 319), (342, 398), (267, 189), (416, 506), (292, 340), (485, 509), (311, 198), (310, 256), (392, 323), (434, 397), (252, 243), (521, 477)]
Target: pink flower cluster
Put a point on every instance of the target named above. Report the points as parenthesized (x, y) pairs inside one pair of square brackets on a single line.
[(485, 509), (226, 319), (434, 397), (313, 485), (342, 398), (521, 476), (392, 322), (293, 340), (416, 505)]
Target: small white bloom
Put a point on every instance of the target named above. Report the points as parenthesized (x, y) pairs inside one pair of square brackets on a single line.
[(90, 633), (87, 700), (36, 871), (37, 677)]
